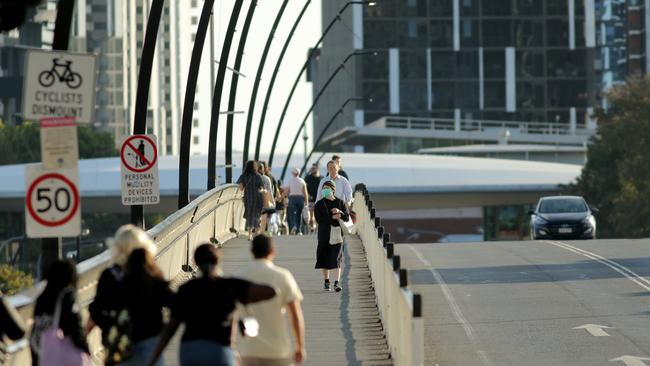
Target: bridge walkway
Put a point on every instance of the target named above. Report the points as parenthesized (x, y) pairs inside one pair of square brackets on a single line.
[(341, 328)]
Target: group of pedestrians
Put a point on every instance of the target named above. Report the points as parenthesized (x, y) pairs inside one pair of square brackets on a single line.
[(132, 296)]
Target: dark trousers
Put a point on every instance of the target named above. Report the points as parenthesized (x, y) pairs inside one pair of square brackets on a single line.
[(294, 211)]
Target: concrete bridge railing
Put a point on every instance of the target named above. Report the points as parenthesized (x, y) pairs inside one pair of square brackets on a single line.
[(216, 215), (399, 308)]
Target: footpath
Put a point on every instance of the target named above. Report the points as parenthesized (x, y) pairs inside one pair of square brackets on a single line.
[(341, 328)]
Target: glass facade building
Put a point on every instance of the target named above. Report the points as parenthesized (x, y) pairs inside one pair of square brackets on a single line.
[(510, 60)]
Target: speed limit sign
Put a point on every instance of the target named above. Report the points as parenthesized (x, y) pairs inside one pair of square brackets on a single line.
[(52, 203)]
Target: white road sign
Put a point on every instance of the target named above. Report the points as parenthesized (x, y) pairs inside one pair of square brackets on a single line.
[(140, 185), (52, 202), (59, 84), (59, 145)]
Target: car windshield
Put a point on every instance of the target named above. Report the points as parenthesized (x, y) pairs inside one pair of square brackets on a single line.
[(567, 205)]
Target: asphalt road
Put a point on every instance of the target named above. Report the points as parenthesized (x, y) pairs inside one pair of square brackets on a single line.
[(519, 303)]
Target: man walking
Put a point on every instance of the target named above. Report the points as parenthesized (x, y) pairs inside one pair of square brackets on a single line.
[(342, 172), (312, 180), (343, 187), (272, 346), (296, 189)]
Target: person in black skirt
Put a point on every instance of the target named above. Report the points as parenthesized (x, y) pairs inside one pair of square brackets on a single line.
[(328, 211)]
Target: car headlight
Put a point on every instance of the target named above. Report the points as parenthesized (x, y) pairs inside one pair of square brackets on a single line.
[(540, 221), (588, 220)]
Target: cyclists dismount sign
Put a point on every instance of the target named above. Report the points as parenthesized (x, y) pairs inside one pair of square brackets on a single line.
[(59, 84)]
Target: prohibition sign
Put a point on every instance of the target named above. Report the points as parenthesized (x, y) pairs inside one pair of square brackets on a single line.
[(71, 187), (148, 164)]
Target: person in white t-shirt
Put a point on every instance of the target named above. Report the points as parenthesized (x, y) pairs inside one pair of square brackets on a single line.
[(296, 189), (272, 346)]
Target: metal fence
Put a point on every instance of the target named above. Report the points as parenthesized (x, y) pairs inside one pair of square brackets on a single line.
[(399, 308), (216, 215)]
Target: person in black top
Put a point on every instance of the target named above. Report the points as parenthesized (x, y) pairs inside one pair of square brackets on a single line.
[(313, 181), (61, 284), (328, 211), (206, 306), (143, 293), (11, 325)]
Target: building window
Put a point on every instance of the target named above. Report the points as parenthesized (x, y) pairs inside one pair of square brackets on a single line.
[(195, 123), (196, 106), (195, 20), (194, 3), (196, 140)]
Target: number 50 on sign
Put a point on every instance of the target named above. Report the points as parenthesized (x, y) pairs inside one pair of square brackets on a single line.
[(52, 202)]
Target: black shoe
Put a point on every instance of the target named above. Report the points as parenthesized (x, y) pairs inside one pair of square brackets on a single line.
[(326, 285), (337, 287)]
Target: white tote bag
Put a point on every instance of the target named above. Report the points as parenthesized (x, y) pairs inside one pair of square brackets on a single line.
[(336, 236), (348, 227)]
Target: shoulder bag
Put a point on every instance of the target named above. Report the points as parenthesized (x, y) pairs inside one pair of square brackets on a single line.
[(56, 348)]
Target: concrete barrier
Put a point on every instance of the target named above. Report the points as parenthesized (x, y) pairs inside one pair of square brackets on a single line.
[(217, 215), (400, 309)]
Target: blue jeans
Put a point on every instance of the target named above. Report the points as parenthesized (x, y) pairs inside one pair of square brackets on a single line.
[(202, 352), (142, 352), (294, 214)]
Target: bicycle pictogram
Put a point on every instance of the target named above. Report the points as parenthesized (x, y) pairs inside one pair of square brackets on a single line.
[(62, 72)]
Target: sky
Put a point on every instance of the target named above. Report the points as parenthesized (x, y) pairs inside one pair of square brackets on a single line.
[(306, 35)]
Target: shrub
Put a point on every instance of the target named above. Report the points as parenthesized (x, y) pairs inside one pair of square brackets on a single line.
[(13, 281)]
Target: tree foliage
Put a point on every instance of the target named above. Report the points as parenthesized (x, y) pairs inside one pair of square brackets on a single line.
[(13, 281), (616, 178), (22, 144)]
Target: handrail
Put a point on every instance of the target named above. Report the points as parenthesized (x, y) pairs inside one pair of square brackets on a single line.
[(216, 214), (469, 125), (399, 308)]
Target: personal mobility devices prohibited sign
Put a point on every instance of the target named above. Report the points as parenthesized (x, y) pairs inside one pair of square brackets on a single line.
[(139, 156), (59, 84), (53, 207)]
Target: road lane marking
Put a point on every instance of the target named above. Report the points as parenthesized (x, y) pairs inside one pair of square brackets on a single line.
[(631, 360), (595, 329), (626, 272), (453, 305)]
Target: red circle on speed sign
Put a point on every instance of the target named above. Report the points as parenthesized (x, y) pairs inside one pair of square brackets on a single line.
[(148, 163), (75, 200)]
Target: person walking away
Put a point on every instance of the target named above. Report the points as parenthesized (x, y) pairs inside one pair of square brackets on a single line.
[(206, 306), (126, 239), (60, 294), (342, 172), (11, 325), (296, 189), (251, 183), (280, 206), (313, 181), (328, 212), (140, 298), (272, 346), (268, 207), (343, 191)]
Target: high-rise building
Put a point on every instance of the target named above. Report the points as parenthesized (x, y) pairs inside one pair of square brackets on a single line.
[(513, 60)]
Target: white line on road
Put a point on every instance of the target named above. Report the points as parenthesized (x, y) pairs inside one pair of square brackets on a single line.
[(595, 329), (626, 272), (631, 360), (453, 305)]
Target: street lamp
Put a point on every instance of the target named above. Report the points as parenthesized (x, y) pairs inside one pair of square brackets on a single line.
[(258, 77), (216, 96), (295, 83), (320, 93), (329, 124), (233, 88)]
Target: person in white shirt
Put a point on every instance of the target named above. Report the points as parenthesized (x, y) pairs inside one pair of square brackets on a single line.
[(272, 345), (343, 187), (296, 189)]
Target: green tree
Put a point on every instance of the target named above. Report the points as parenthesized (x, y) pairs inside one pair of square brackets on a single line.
[(616, 178), (13, 281), (22, 144)]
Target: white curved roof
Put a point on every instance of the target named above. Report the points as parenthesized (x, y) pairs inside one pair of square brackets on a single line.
[(385, 173)]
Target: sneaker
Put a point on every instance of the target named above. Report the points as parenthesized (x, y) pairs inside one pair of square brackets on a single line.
[(326, 285), (337, 287)]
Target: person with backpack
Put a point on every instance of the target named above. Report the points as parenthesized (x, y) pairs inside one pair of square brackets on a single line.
[(206, 306), (55, 312)]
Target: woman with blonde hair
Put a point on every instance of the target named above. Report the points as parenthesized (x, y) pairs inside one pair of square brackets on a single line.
[(127, 238)]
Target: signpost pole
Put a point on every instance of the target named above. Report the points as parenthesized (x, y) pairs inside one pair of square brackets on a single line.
[(51, 248)]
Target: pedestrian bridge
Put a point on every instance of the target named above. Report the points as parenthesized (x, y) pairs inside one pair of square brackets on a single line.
[(376, 320)]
